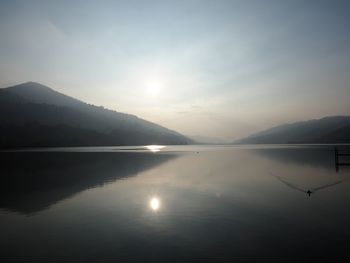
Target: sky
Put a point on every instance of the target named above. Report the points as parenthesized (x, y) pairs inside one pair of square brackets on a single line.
[(220, 68)]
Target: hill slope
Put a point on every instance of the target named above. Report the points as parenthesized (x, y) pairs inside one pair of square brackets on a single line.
[(334, 129), (35, 115)]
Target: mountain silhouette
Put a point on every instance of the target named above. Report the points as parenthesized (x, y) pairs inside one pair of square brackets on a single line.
[(34, 115), (335, 129)]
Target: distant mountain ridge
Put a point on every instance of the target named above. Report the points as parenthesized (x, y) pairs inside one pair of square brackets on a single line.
[(31, 114), (208, 140), (333, 129)]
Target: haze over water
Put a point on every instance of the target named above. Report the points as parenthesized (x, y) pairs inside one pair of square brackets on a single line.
[(174, 204)]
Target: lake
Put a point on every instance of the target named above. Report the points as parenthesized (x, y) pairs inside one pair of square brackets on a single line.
[(175, 204)]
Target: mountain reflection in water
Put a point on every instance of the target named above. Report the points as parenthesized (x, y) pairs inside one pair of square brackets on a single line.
[(178, 204), (31, 182)]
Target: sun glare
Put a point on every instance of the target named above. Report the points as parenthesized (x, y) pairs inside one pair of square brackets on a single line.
[(154, 148), (154, 87)]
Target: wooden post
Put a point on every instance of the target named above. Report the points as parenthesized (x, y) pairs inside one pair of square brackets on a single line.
[(336, 158)]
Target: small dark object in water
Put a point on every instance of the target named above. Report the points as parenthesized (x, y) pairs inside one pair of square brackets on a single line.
[(309, 192)]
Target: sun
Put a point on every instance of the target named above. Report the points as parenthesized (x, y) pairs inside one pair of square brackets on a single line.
[(154, 87)]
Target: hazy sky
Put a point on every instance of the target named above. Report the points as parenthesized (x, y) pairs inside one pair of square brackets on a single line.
[(210, 67)]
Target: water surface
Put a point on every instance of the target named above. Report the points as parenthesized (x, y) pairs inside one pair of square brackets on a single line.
[(174, 204)]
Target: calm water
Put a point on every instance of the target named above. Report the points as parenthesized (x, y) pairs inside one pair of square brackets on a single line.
[(175, 204)]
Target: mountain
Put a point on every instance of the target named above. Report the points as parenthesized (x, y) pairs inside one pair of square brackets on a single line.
[(34, 115), (335, 129)]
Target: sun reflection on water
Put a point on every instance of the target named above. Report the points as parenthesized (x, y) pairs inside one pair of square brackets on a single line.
[(154, 148), (154, 203)]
